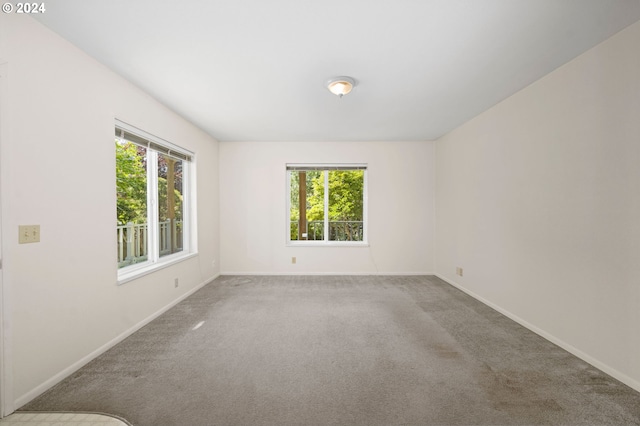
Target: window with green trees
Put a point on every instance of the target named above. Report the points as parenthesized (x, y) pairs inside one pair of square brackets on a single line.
[(152, 199), (327, 203)]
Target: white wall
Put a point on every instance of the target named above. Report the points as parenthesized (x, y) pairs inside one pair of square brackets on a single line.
[(58, 170), (538, 199), (253, 215)]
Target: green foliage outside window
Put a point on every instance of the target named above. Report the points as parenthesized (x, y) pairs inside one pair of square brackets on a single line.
[(131, 183), (346, 189)]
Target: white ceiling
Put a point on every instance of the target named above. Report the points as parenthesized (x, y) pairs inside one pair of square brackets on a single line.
[(254, 70)]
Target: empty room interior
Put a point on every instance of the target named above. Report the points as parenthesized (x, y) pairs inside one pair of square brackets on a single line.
[(340, 212)]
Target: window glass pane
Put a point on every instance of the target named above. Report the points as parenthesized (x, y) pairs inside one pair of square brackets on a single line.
[(307, 205), (346, 205), (131, 184), (170, 205)]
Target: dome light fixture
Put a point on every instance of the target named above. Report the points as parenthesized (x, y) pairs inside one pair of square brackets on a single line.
[(341, 86)]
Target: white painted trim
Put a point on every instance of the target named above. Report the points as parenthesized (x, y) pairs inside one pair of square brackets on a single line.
[(134, 274), (326, 206), (155, 261), (550, 337), (327, 242), (40, 389), (153, 234), (365, 206), (153, 138), (327, 273), (319, 166), (322, 243)]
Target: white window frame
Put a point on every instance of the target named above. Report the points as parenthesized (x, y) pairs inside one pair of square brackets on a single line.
[(154, 261), (326, 242)]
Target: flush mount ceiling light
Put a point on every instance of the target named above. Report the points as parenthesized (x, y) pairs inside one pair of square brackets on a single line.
[(341, 86)]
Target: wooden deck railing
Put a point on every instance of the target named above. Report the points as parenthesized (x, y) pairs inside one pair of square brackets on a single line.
[(339, 230), (133, 241)]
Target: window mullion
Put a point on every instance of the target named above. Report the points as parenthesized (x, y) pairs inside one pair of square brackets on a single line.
[(326, 205), (288, 215), (186, 206), (365, 207), (152, 197)]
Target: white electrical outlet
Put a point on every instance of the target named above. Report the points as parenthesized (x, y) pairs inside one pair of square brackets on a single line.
[(175, 283), (293, 260), (459, 271)]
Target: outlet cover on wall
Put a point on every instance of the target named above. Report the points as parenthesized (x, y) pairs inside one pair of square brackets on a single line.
[(458, 271), (293, 260), (28, 234)]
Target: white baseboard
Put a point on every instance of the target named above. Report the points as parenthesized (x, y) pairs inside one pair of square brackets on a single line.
[(327, 273), (632, 383), (40, 389)]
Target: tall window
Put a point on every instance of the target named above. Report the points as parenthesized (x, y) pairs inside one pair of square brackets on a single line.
[(327, 203), (152, 199)]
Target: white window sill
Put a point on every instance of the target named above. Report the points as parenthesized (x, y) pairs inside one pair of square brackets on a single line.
[(327, 244), (125, 275)]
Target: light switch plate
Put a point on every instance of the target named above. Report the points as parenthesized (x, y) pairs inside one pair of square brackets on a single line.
[(28, 234)]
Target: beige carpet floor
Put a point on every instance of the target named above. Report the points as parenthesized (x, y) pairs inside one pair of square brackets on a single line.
[(341, 350)]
